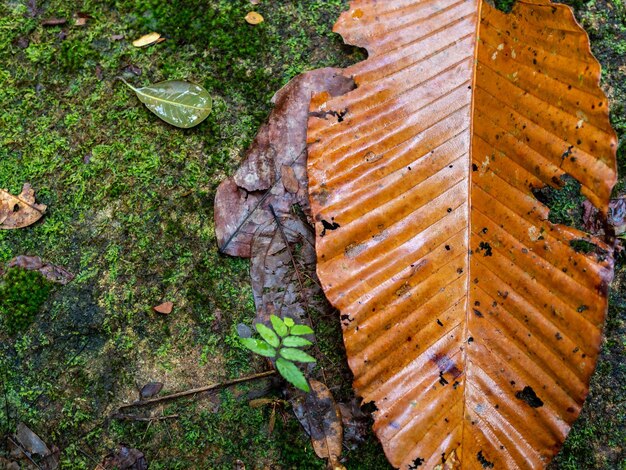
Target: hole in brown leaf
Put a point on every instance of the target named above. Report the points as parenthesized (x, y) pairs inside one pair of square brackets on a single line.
[(529, 396)]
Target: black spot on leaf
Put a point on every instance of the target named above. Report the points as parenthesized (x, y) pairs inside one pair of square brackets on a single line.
[(483, 460), (328, 226), (530, 397)]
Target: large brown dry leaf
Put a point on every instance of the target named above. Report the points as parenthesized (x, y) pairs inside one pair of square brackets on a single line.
[(468, 318), (19, 211)]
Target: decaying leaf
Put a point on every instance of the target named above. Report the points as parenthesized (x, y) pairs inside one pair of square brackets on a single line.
[(242, 202), (147, 40), (254, 18), (319, 415), (19, 211), (255, 215), (180, 104), (355, 422), (614, 222), (28, 446), (31, 442), (150, 390), (51, 272), (469, 319), (165, 308), (125, 459)]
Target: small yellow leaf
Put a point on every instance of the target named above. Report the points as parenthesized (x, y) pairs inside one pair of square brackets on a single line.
[(146, 40), (254, 18)]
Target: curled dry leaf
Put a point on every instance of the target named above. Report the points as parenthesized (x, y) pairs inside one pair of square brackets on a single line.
[(181, 104), (469, 319), (254, 18), (319, 415), (147, 40), (19, 211), (164, 308)]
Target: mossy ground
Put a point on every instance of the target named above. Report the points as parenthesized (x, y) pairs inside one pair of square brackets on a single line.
[(130, 212)]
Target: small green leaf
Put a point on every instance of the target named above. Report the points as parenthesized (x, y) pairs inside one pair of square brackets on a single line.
[(279, 326), (300, 330), (178, 103), (292, 374), (268, 335), (296, 355), (259, 347), (289, 322), (296, 342)]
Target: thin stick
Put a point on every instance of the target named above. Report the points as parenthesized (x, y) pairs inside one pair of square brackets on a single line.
[(142, 418), (194, 391)]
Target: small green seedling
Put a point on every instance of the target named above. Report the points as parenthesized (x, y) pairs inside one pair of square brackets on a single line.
[(282, 343)]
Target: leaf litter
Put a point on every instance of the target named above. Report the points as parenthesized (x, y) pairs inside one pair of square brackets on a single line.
[(51, 272), (262, 213)]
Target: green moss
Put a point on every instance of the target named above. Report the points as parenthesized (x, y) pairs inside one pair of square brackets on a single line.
[(22, 294), (504, 5)]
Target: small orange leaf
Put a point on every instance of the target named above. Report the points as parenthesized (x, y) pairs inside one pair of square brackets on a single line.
[(254, 18), (165, 308), (147, 40)]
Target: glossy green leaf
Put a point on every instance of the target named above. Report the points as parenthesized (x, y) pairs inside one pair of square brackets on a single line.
[(268, 335), (292, 374), (289, 322), (296, 355), (300, 330), (258, 346), (296, 341), (178, 103), (279, 326)]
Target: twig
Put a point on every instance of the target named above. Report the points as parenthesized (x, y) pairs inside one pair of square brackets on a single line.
[(194, 391), (122, 417)]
